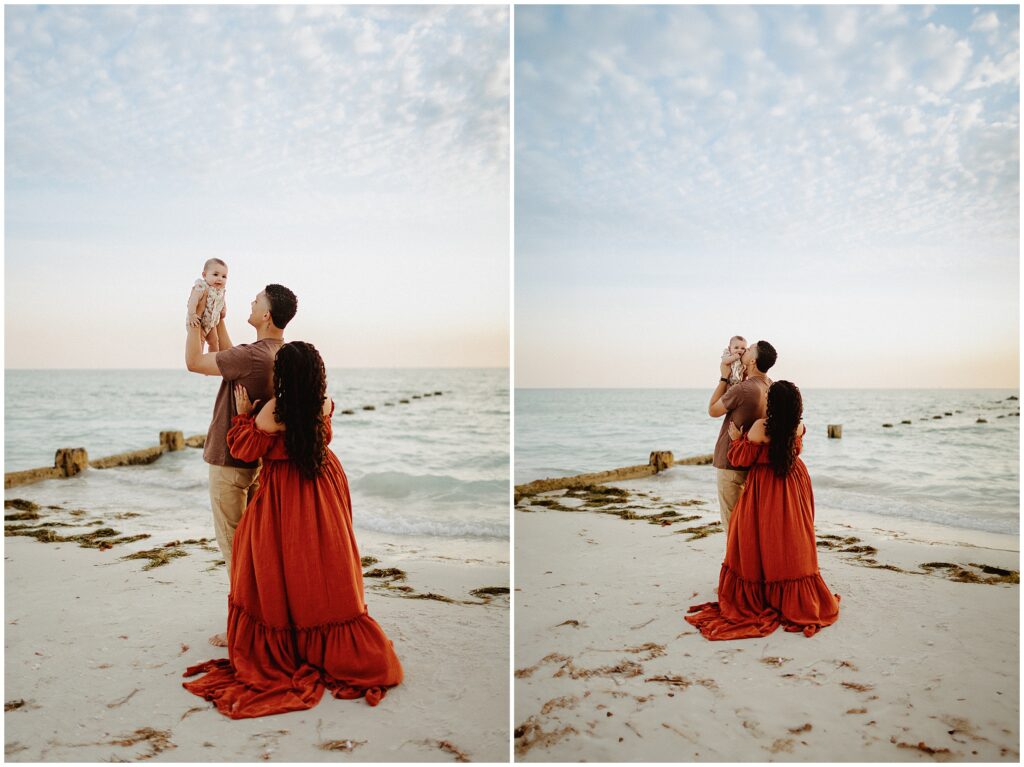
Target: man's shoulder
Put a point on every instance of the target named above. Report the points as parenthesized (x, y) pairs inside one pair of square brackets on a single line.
[(755, 384), (266, 347)]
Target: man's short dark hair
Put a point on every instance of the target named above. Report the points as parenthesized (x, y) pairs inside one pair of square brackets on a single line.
[(283, 304), (766, 356)]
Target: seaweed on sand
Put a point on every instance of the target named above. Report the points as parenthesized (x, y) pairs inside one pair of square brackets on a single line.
[(21, 516), (703, 531), (530, 734), (961, 574), (158, 556), (390, 573), (340, 745), (489, 591), (21, 504)]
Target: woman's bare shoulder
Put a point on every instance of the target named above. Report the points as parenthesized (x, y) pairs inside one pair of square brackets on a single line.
[(266, 419), (757, 433)]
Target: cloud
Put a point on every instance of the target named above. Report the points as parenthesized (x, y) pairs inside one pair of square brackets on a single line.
[(788, 144), (265, 94), (985, 22)]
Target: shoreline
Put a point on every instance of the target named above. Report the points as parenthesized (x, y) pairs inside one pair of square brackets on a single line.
[(96, 673), (608, 670)]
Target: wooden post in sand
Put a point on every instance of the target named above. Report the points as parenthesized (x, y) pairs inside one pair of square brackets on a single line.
[(835, 431)]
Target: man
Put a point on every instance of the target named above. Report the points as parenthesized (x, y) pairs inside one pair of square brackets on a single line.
[(252, 366), (741, 403)]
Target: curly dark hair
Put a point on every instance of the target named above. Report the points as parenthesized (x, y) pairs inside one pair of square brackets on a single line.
[(766, 356), (283, 304), (300, 386), (785, 409)]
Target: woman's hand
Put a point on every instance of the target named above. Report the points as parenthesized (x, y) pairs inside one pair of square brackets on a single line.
[(242, 404), (734, 433)]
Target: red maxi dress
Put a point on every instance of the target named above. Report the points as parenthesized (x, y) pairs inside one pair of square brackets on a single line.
[(297, 622), (770, 575)]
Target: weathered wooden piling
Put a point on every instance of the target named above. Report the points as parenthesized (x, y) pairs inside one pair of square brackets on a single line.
[(835, 431), (172, 440), (69, 461), (658, 461)]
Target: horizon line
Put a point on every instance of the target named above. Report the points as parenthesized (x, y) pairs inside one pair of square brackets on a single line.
[(816, 388)]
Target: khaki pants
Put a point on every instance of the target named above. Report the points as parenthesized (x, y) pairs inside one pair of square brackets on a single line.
[(230, 491), (730, 485)]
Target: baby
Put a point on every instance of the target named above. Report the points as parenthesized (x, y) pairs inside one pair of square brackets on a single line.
[(731, 356), (206, 302)]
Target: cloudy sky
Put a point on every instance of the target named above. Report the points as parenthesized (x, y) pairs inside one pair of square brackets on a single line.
[(841, 181), (358, 155)]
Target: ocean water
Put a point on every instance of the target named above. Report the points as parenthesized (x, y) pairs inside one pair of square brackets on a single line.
[(950, 471), (436, 467)]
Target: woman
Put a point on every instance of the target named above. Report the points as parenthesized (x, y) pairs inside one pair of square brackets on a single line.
[(297, 623), (770, 575)]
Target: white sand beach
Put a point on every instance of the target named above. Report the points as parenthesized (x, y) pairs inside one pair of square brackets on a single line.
[(95, 647), (919, 666)]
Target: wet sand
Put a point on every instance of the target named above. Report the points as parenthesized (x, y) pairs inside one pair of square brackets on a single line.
[(96, 644), (921, 666)]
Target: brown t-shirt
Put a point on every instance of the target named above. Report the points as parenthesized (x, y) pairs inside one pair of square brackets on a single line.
[(251, 365), (744, 402)]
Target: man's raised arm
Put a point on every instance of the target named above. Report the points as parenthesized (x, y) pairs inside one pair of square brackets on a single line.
[(195, 360), (715, 408), (222, 335)]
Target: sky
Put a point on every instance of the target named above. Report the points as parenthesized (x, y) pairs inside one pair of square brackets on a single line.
[(357, 155), (841, 181)]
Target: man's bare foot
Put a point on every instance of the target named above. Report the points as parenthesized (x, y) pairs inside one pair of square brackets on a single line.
[(219, 640)]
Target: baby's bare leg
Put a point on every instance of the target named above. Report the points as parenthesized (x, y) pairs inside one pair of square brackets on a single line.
[(213, 341), (201, 305)]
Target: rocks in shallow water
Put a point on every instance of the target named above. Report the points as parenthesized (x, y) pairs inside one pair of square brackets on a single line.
[(348, 412), (403, 402), (981, 420), (1011, 398), (906, 420), (936, 417), (886, 425), (947, 414), (437, 394)]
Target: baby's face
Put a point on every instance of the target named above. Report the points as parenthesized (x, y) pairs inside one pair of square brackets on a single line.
[(216, 275), (737, 346)]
